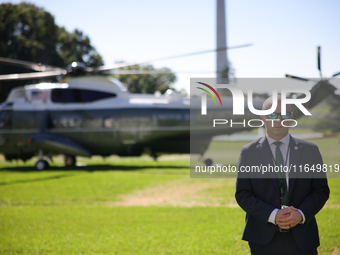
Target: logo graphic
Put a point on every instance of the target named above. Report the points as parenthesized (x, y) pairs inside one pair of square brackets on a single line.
[(213, 90), (239, 100)]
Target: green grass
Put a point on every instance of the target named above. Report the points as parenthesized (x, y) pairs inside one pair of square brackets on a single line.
[(77, 188), (135, 230), (328, 222), (72, 211), (85, 185), (122, 230)]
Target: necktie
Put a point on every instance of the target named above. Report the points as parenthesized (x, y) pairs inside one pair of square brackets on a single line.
[(281, 174)]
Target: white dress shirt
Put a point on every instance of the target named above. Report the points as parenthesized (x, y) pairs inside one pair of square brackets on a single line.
[(284, 148)]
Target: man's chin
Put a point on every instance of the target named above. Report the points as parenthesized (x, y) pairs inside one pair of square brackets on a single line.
[(279, 132)]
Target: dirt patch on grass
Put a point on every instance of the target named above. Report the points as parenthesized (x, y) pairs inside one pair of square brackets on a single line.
[(332, 206), (336, 252), (184, 193), (178, 193)]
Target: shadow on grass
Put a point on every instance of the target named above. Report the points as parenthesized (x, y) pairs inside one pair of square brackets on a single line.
[(36, 179), (88, 168), (92, 168)]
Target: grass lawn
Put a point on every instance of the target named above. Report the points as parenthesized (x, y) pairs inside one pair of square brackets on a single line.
[(121, 230), (75, 210)]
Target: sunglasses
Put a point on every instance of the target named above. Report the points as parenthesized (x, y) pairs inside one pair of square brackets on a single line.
[(274, 115)]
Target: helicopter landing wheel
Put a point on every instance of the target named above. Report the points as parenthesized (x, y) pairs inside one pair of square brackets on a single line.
[(208, 162), (41, 165), (70, 160), (154, 156)]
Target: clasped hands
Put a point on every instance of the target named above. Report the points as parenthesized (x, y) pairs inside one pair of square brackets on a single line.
[(288, 217)]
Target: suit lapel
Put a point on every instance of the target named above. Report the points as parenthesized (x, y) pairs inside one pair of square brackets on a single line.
[(266, 157), (294, 160)]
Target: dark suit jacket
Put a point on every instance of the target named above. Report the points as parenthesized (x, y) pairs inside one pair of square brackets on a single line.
[(260, 196)]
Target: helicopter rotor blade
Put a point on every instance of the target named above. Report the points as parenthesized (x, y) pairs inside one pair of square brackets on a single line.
[(137, 72), (119, 72), (50, 71), (296, 77), (23, 76), (319, 60), (109, 67), (336, 74), (30, 65), (200, 52)]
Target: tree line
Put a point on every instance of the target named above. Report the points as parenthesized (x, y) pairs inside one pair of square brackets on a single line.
[(29, 33)]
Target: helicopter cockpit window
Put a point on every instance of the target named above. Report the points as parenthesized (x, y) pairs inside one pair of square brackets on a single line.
[(78, 95)]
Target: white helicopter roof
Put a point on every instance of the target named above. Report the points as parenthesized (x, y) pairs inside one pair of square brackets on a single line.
[(98, 83), (41, 93)]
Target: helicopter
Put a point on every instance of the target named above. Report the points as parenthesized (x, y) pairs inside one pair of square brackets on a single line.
[(96, 115), (92, 114), (89, 115)]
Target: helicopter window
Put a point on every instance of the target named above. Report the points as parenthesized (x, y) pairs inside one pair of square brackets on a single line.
[(17, 94), (78, 95), (6, 118), (91, 95), (62, 96)]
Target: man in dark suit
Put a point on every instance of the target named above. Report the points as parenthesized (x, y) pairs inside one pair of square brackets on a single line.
[(280, 209)]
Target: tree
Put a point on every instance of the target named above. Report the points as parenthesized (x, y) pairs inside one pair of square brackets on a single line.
[(29, 33), (77, 47), (157, 80)]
